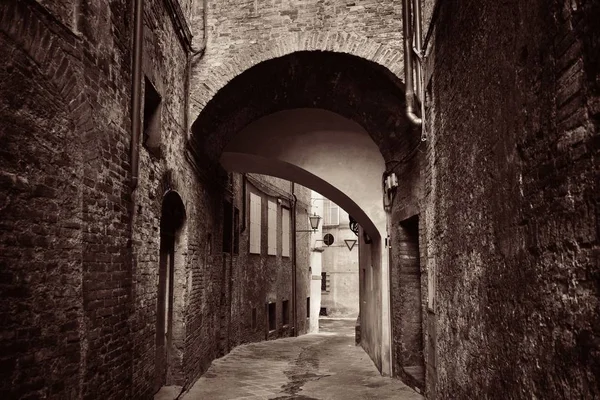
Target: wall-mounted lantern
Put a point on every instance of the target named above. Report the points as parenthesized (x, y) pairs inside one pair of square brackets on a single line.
[(314, 220)]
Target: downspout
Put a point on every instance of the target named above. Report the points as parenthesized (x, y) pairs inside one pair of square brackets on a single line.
[(136, 92), (230, 282), (408, 58), (418, 32), (244, 194), (294, 260), (193, 53)]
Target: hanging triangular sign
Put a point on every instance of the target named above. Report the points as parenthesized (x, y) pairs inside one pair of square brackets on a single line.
[(350, 243)]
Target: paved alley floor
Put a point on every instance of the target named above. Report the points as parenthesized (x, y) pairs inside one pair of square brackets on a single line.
[(324, 366)]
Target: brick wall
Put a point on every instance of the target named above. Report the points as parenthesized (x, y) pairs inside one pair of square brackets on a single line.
[(41, 223), (406, 302), (244, 33), (74, 309), (512, 217), (509, 218)]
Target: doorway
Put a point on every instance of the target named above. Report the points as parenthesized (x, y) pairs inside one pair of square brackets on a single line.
[(407, 307), (172, 219)]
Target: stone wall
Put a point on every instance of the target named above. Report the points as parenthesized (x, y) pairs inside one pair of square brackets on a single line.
[(512, 211)]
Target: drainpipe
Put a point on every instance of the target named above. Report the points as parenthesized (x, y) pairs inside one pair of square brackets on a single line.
[(136, 92), (230, 283), (294, 259), (193, 53), (418, 33), (409, 63), (243, 219)]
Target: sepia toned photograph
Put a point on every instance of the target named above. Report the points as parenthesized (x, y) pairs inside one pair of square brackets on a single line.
[(299, 199)]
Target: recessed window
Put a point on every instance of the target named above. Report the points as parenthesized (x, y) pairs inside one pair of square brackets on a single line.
[(151, 123), (254, 318), (308, 307), (272, 228), (331, 213), (285, 312), (255, 223), (323, 311), (286, 234), (324, 282), (272, 310)]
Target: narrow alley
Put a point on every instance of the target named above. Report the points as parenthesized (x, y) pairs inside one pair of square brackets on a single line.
[(188, 187), (323, 366)]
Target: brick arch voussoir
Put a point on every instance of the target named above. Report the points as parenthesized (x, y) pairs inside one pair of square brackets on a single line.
[(336, 42)]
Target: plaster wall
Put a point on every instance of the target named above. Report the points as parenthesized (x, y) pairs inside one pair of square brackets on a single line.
[(341, 265)]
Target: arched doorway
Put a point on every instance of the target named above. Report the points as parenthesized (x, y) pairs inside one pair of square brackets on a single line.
[(171, 223)]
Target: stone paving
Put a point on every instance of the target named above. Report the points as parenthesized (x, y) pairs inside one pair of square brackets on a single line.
[(324, 366)]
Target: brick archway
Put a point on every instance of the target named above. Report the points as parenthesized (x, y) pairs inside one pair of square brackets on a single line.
[(361, 90), (209, 84)]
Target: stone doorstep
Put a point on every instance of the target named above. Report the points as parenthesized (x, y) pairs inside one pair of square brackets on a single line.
[(168, 393)]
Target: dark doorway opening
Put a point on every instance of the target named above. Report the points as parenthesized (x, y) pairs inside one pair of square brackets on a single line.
[(285, 312), (172, 218), (407, 309), (272, 310)]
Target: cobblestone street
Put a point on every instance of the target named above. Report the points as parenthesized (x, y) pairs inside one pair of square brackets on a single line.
[(321, 366)]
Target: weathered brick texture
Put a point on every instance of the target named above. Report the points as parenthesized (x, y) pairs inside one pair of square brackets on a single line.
[(73, 307), (512, 209), (506, 187)]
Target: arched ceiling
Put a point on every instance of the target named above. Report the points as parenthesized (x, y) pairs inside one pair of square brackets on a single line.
[(320, 150), (365, 94), (355, 88)]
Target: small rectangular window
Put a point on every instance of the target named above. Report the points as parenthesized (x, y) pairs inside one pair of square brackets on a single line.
[(272, 228), (323, 311), (286, 235), (254, 318), (308, 307), (255, 223), (272, 309), (324, 286), (285, 312), (331, 213)]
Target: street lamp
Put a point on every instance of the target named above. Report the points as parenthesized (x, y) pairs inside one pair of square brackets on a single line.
[(314, 223)]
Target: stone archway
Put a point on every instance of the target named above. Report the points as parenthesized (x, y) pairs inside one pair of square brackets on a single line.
[(361, 92)]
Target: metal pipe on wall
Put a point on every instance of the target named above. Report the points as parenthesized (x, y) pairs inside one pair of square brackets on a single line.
[(294, 260), (418, 47), (136, 91), (409, 61), (188, 67)]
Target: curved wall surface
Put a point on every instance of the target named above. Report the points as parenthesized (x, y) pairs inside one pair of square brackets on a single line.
[(320, 150)]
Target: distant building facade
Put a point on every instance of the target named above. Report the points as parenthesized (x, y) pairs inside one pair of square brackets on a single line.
[(340, 271)]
